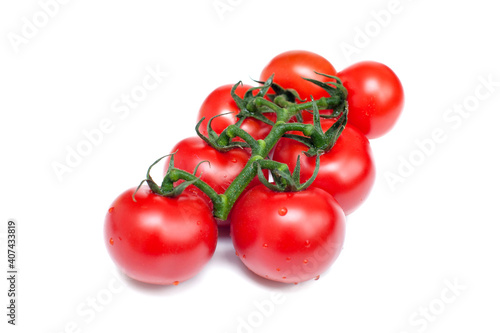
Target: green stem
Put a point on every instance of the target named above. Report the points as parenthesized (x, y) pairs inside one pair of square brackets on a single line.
[(323, 103), (260, 150), (224, 137), (233, 131), (276, 167), (261, 102), (250, 170), (284, 110), (281, 113), (178, 174), (237, 187)]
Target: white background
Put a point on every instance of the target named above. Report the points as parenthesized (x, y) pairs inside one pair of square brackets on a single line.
[(405, 246)]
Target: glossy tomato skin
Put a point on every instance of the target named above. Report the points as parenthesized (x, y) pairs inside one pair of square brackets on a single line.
[(287, 237), (219, 102), (289, 69), (347, 171), (223, 167), (160, 240), (375, 97)]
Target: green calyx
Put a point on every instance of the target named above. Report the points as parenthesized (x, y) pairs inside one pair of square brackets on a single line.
[(284, 181), (167, 188), (247, 103), (223, 142), (317, 140)]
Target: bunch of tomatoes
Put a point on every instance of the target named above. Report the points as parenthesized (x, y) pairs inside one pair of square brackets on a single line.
[(281, 164)]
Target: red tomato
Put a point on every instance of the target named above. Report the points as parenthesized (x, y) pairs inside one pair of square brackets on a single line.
[(287, 237), (160, 240), (220, 101), (289, 69), (347, 171), (375, 97), (223, 167)]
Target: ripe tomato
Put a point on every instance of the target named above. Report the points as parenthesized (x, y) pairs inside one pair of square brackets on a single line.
[(289, 69), (160, 240), (375, 97), (223, 167), (287, 237), (220, 101), (347, 171)]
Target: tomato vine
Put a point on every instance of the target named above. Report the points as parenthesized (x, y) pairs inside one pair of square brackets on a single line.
[(286, 106)]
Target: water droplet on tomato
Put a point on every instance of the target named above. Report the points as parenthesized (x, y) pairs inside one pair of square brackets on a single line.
[(244, 256), (288, 259), (282, 211), (278, 269), (111, 209), (284, 277), (234, 160), (237, 254), (305, 261), (175, 283), (264, 245), (307, 243), (317, 277), (111, 241), (198, 222)]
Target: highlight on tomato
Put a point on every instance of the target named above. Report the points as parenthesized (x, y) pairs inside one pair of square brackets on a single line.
[(291, 67), (157, 239), (376, 97), (288, 237)]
